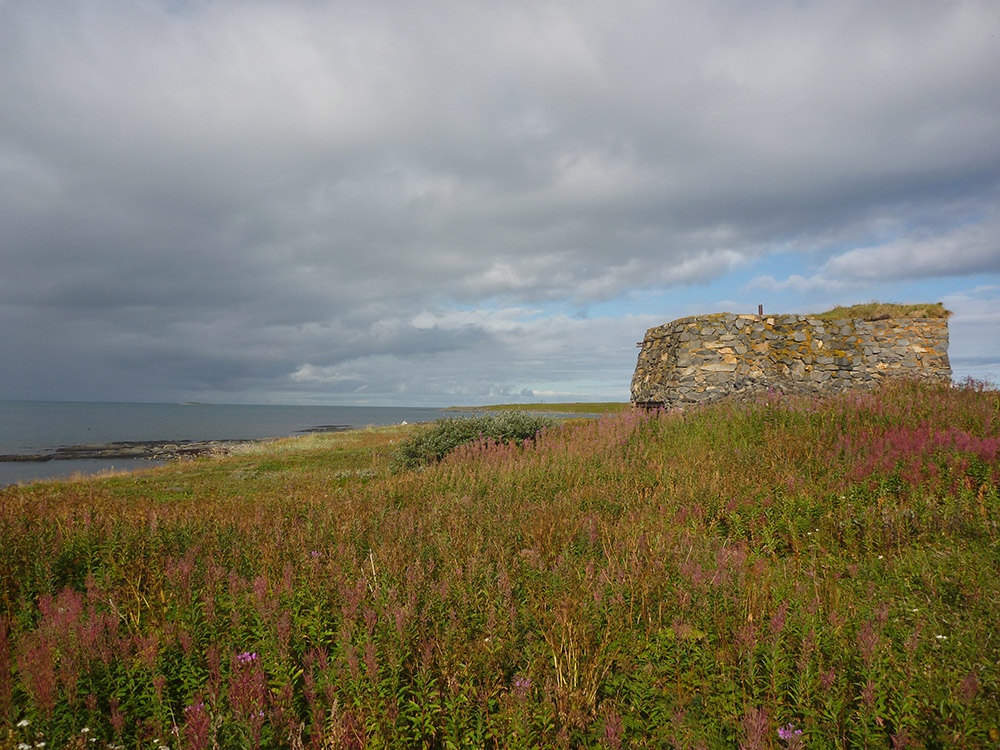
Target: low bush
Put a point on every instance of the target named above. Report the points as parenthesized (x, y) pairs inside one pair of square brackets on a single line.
[(433, 444)]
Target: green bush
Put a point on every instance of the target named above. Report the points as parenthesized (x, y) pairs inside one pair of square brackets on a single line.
[(445, 435)]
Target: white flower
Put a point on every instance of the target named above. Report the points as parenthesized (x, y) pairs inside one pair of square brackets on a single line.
[(23, 745), (23, 723), (881, 557), (941, 637)]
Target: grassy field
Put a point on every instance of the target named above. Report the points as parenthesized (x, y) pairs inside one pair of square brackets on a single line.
[(783, 573), (604, 407)]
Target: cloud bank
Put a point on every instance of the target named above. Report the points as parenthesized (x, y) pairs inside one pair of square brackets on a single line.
[(241, 200)]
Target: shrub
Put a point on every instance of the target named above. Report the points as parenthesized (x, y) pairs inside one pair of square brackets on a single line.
[(433, 444)]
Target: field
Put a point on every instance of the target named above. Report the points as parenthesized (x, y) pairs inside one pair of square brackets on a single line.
[(782, 573), (601, 407)]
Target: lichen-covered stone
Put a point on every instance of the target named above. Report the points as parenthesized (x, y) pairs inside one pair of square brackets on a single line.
[(703, 358)]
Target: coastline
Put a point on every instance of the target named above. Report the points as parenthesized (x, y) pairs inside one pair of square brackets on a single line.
[(162, 450), (148, 449), (55, 440)]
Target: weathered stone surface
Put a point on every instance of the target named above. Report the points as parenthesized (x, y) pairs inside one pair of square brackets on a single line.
[(706, 357)]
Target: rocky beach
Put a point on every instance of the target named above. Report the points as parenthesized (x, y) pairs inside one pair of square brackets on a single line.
[(162, 450), (151, 449)]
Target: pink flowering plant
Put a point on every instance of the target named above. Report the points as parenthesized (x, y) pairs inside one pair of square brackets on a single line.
[(785, 572)]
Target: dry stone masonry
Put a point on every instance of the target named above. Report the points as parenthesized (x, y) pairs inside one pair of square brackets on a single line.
[(707, 357)]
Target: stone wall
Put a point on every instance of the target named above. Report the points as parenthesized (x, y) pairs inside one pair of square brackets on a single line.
[(706, 357)]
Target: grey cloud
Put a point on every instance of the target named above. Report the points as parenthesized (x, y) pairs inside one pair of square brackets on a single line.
[(233, 191)]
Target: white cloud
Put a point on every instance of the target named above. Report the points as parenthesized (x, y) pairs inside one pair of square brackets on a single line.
[(796, 282), (964, 250), (974, 328)]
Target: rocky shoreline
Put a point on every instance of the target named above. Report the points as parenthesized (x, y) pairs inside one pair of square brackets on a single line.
[(153, 449), (163, 450)]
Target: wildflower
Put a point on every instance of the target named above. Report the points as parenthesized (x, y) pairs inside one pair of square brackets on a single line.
[(84, 730), (613, 730), (941, 637), (522, 686), (23, 746), (23, 723), (969, 688), (788, 732), (247, 657)]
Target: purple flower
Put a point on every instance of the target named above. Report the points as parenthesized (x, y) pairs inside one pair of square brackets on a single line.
[(522, 686), (197, 725), (246, 657), (789, 732)]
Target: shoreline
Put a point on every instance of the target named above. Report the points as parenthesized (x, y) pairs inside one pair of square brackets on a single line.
[(164, 450)]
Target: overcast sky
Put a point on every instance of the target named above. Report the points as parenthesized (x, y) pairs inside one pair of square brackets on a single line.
[(460, 202)]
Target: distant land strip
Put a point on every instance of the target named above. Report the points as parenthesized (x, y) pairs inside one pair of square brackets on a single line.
[(601, 407)]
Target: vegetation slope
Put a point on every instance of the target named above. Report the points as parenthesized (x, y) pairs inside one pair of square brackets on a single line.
[(783, 573)]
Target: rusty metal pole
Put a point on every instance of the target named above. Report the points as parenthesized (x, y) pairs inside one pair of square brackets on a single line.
[(760, 310)]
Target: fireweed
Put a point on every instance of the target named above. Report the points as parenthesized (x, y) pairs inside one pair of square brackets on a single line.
[(730, 575)]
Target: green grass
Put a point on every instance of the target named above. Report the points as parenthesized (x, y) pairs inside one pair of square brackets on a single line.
[(885, 310), (695, 579), (603, 407)]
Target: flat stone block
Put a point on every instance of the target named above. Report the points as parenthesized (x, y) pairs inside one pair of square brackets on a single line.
[(719, 366)]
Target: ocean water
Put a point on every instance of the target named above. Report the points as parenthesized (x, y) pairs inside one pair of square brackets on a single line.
[(28, 427)]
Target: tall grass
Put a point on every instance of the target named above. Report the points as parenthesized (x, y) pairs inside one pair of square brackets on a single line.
[(884, 310), (784, 573)]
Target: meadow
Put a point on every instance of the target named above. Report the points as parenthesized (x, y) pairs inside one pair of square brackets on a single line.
[(785, 572)]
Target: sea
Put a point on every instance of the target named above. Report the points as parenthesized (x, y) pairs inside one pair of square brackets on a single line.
[(32, 427)]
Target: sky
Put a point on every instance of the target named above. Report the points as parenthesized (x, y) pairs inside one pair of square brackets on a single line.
[(458, 202)]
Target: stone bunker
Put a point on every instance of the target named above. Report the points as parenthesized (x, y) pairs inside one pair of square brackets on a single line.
[(707, 357)]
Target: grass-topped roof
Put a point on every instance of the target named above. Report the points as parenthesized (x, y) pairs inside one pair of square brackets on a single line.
[(885, 310)]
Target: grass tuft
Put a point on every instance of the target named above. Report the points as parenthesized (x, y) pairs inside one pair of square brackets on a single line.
[(884, 311)]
